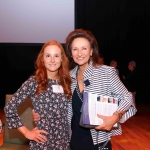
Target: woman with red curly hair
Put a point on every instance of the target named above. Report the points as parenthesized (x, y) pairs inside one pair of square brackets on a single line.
[(49, 90)]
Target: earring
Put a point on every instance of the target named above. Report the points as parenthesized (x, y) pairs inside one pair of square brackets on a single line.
[(91, 55)]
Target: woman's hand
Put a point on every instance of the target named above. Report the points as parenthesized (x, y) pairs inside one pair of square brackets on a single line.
[(36, 116), (123, 77), (108, 122), (34, 134)]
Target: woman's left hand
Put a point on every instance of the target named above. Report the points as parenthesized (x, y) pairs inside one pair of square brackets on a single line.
[(108, 122)]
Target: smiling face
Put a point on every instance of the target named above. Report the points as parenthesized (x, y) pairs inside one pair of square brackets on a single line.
[(81, 51), (114, 64), (52, 59), (130, 67)]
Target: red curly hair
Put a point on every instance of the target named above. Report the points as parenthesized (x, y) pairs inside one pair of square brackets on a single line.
[(63, 72)]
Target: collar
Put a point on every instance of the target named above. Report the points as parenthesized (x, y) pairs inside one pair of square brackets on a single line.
[(87, 73)]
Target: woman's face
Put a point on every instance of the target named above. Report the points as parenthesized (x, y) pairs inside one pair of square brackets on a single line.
[(114, 65), (81, 51), (52, 59), (130, 67)]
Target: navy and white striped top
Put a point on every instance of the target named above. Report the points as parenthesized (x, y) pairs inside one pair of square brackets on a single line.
[(104, 81)]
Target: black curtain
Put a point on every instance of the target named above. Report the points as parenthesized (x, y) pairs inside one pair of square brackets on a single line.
[(16, 65)]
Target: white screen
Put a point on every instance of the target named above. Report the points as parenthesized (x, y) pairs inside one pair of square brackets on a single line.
[(35, 21)]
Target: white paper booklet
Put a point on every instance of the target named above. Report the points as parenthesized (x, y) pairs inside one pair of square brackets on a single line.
[(94, 104)]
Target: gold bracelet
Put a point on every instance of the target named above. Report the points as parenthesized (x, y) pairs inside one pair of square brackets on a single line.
[(118, 114)]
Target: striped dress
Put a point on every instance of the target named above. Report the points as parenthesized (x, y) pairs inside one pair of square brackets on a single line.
[(104, 81)]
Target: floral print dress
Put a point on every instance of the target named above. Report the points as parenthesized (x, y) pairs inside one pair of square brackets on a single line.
[(52, 108)]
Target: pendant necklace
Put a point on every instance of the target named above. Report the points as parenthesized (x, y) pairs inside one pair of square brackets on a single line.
[(81, 80)]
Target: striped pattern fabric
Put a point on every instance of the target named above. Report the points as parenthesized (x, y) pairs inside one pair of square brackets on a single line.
[(104, 81)]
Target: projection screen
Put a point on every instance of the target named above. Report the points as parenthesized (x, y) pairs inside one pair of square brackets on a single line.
[(35, 21)]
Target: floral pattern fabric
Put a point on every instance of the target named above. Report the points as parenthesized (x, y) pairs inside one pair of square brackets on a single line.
[(52, 108)]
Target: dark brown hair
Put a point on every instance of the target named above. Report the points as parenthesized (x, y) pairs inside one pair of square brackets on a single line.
[(63, 72), (80, 33)]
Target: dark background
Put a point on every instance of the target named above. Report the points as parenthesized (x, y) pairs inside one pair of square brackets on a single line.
[(122, 29)]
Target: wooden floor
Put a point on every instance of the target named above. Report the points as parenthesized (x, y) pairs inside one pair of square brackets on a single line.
[(136, 131)]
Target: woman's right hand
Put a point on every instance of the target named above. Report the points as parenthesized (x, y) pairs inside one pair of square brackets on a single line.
[(123, 77), (36, 135), (36, 116)]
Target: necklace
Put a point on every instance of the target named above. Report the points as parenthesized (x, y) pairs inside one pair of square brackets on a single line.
[(80, 76), (81, 80), (53, 78)]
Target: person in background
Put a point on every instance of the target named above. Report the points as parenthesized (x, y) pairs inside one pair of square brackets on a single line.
[(113, 63), (89, 74), (131, 79), (49, 90)]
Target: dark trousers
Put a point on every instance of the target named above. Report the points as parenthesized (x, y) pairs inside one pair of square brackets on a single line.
[(87, 144)]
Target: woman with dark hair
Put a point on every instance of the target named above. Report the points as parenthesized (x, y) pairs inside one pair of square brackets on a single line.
[(96, 59), (49, 90), (90, 75)]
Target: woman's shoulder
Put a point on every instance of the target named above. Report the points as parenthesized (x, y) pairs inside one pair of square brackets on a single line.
[(105, 70), (73, 71), (30, 80), (104, 67)]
